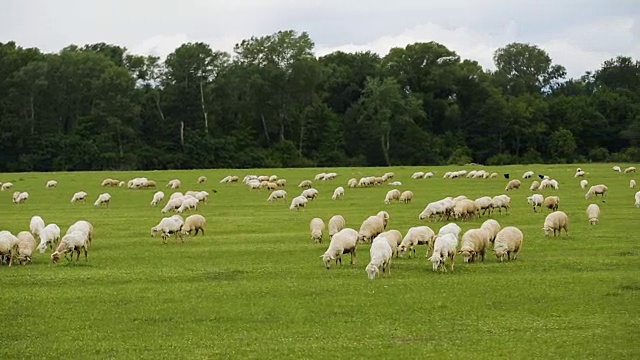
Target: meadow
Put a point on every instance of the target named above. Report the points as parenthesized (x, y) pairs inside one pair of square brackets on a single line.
[(254, 285)]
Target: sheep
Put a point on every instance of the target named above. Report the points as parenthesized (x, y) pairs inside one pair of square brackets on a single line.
[(281, 182), (277, 194), (338, 193), (136, 183), (596, 190), (513, 184), (352, 183), (172, 204), (406, 196), (395, 183), (51, 184), (444, 248), (262, 178), (148, 184), (298, 202), (508, 242), (319, 176), (343, 242), (493, 227), (417, 175), (25, 245), (637, 198), (450, 228), (493, 175), (202, 179), (583, 183), (617, 169), (535, 185), (427, 175), (167, 226), (6, 186), (501, 202), (176, 195), (79, 196), (593, 213), (225, 179), (110, 182), (392, 195), (329, 176), (20, 197), (370, 228), (380, 254), (157, 198), (195, 223), (187, 204), (552, 202), (527, 174), (8, 246), (174, 184), (483, 204), (336, 223), (465, 209), (394, 237), (84, 227), (632, 183), (556, 221), (305, 184), (579, 174), (49, 236), (36, 225), (417, 235), (273, 178), (388, 175), (310, 193), (75, 241), (536, 201), (316, 226), (121, 184), (384, 216), (630, 169), (474, 244), (104, 198), (435, 208)]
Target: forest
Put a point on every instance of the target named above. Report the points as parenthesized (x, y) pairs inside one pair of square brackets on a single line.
[(274, 103)]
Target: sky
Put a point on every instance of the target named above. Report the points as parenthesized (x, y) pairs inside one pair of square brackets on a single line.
[(580, 35)]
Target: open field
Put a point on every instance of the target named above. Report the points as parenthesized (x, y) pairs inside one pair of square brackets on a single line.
[(255, 287)]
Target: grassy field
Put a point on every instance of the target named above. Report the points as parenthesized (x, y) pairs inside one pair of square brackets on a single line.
[(255, 287)]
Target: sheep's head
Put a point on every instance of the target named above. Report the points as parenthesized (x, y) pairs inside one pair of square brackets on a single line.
[(435, 259), (500, 253), (593, 221), (422, 216), (361, 238), (547, 230), (154, 231), (326, 260), (42, 247), (55, 257), (372, 271), (467, 254), (402, 248), (316, 236)]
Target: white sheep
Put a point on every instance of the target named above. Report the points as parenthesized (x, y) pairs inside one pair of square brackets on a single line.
[(343, 242), (632, 183), (74, 241), (25, 245), (394, 237), (508, 242), (310, 193), (157, 198), (6, 186), (273, 178), (384, 216), (536, 201), (501, 202), (444, 248), (417, 235), (305, 184), (493, 227), (617, 169), (49, 236), (583, 183), (552, 202), (298, 202), (338, 193), (593, 213), (319, 176), (36, 225), (450, 228), (427, 175), (630, 169), (513, 184), (417, 175), (84, 227), (483, 204), (436, 208), (535, 185), (596, 190), (79, 196), (277, 194), (395, 183), (527, 174), (406, 196), (172, 204), (104, 198), (352, 183), (20, 197), (380, 254), (474, 244), (174, 184), (316, 226), (167, 226), (281, 182), (336, 223), (51, 184), (579, 173), (195, 223), (202, 179), (8, 243), (188, 203), (370, 228), (556, 221), (176, 195), (637, 198), (391, 196), (110, 182)]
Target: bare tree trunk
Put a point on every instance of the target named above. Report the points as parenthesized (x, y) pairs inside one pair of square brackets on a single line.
[(120, 142), (204, 110), (301, 137), (33, 113), (385, 148), (182, 133), (264, 127), (157, 99)]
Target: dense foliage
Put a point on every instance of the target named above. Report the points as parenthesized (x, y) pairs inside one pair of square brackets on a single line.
[(273, 103)]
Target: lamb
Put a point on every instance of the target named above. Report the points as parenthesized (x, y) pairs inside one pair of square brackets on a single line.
[(444, 248), (36, 225), (535, 200), (493, 227), (370, 228), (6, 186), (338, 193), (167, 226), (104, 198), (25, 245), (343, 242), (84, 227), (392, 195), (336, 223), (51, 184), (629, 169), (174, 184), (381, 254), (583, 183), (596, 190), (316, 226), (632, 183), (535, 185), (384, 216), (527, 174), (157, 198), (617, 169), (79, 196), (195, 223), (305, 184), (474, 244), (202, 179), (110, 182), (556, 221), (49, 236), (20, 197), (417, 235), (406, 196), (352, 183), (513, 184), (75, 241), (552, 202), (298, 202), (508, 242), (187, 204), (310, 193), (394, 237), (593, 213), (637, 198), (8, 246), (277, 194)]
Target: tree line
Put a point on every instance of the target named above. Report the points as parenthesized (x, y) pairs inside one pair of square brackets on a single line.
[(273, 103)]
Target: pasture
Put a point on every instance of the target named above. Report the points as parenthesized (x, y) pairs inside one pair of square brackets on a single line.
[(254, 285)]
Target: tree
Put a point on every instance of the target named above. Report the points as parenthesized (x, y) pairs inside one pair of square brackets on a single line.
[(563, 146)]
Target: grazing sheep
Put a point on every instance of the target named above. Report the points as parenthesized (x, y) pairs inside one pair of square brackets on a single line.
[(556, 221), (527, 174), (632, 183), (637, 198), (343, 242), (474, 244), (552, 202), (49, 236), (189, 203), (508, 242), (79, 196), (202, 179), (336, 223), (176, 195), (157, 198), (579, 173), (583, 183), (380, 254), (110, 182), (273, 178), (617, 169), (442, 207), (535, 185), (370, 228), (493, 227), (392, 195), (513, 184), (174, 184), (450, 228), (104, 198), (298, 202), (121, 184), (6, 186), (319, 176), (51, 184), (20, 197), (305, 184), (406, 196), (417, 235), (74, 241), (281, 182), (417, 175), (444, 248), (483, 204), (535, 200), (493, 175), (277, 194), (593, 213), (167, 226), (338, 193), (8, 243), (195, 223), (596, 190), (352, 183), (84, 227), (394, 237), (384, 216), (395, 183), (25, 246), (36, 225), (465, 209), (501, 202), (427, 175), (316, 226), (172, 204), (310, 193), (630, 169)]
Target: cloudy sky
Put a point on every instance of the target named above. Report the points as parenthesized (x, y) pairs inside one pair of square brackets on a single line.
[(577, 34)]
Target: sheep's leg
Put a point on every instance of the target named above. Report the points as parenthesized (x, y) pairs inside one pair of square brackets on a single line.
[(85, 254), (453, 260)]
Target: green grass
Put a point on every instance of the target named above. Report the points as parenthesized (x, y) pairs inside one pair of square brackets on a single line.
[(255, 287)]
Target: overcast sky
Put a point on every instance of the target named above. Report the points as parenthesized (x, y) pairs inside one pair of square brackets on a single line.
[(577, 34)]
